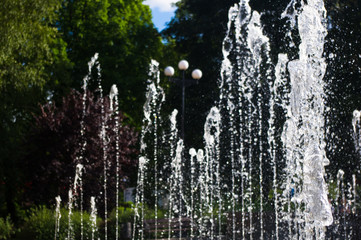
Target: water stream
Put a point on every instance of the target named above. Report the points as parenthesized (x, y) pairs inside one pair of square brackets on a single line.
[(262, 171), (228, 191)]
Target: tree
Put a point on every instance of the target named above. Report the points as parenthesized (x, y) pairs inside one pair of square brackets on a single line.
[(122, 32), (44, 48), (25, 39), (343, 50), (25, 35), (198, 29), (54, 147)]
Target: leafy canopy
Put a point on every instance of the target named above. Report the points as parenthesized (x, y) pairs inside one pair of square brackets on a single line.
[(55, 146), (25, 35), (122, 32)]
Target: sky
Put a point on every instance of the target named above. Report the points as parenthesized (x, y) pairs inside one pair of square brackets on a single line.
[(162, 11)]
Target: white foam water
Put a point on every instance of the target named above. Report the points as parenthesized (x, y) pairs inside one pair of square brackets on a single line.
[(303, 135), (93, 217), (72, 194), (113, 97), (245, 81), (154, 98), (83, 142), (211, 169), (57, 216), (243, 143)]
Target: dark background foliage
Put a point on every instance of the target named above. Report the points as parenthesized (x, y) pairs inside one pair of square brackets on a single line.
[(44, 50), (54, 148), (198, 30)]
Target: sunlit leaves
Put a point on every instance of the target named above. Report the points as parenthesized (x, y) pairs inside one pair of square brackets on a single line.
[(25, 36)]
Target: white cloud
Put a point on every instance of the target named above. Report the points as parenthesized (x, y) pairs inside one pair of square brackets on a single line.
[(162, 5)]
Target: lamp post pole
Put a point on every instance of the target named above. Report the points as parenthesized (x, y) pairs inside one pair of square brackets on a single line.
[(183, 101), (196, 75)]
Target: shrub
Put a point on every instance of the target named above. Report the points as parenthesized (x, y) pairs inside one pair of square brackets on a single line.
[(57, 129), (126, 217), (40, 225), (6, 228)]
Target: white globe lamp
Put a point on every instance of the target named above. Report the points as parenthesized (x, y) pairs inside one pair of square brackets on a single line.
[(197, 74), (183, 65), (169, 71)]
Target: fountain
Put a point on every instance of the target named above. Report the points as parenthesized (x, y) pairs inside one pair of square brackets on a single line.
[(269, 121), (261, 174), (109, 141)]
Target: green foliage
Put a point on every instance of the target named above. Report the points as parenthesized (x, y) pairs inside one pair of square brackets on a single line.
[(25, 35), (60, 71), (198, 29), (55, 142), (44, 50), (333, 191), (6, 228), (122, 32), (25, 38), (126, 217), (149, 213), (40, 225), (126, 213)]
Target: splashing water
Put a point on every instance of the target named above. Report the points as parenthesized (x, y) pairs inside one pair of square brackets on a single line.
[(104, 144), (303, 133), (113, 96), (176, 197), (279, 97), (75, 194), (261, 174), (356, 120), (57, 216), (192, 153), (212, 169), (93, 217), (154, 98), (72, 194), (70, 214), (245, 79), (83, 141), (241, 133)]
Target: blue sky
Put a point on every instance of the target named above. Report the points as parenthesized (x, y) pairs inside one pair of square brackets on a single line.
[(162, 11)]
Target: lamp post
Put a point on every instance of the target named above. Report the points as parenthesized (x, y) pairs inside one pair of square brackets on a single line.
[(183, 82)]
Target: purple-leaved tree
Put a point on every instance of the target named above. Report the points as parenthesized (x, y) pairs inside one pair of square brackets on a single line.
[(55, 146)]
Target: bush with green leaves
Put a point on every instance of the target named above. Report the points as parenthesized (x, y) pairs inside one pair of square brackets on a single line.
[(40, 225), (6, 228), (126, 217)]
